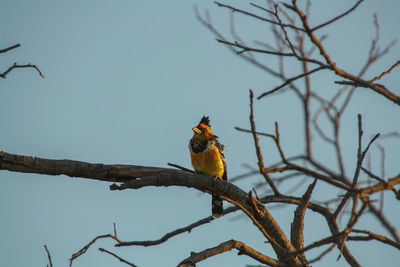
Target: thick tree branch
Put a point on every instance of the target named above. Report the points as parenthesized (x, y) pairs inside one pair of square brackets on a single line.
[(135, 177), (298, 220), (229, 192), (72, 168)]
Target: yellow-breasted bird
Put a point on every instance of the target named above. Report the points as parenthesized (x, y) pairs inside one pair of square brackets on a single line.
[(208, 158)]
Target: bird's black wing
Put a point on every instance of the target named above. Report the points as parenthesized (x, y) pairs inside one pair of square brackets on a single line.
[(221, 152)]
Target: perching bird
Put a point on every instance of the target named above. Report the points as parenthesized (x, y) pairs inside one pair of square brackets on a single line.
[(208, 158)]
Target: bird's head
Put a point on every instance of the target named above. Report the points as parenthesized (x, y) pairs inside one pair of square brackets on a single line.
[(203, 130)]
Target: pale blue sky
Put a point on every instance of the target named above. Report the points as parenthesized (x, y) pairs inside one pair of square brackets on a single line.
[(125, 83)]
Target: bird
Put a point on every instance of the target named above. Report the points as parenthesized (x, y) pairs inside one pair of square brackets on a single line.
[(207, 157)]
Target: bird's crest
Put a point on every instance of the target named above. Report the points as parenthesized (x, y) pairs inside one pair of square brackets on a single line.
[(205, 120)]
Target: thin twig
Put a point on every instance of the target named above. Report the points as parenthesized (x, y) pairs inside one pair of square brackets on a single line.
[(9, 48), (167, 236), (247, 48), (15, 66), (298, 220), (115, 230), (288, 81), (234, 9), (118, 257), (258, 133), (385, 222), (354, 80), (86, 247), (337, 17), (370, 174), (180, 167), (258, 149), (48, 256), (207, 23), (385, 72), (325, 252), (371, 236)]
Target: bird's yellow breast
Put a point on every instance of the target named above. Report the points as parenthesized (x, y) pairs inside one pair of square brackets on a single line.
[(209, 162)]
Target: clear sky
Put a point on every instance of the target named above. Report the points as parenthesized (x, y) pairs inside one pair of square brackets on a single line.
[(125, 82)]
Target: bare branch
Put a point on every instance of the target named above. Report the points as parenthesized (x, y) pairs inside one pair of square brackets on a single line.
[(234, 9), (354, 80), (116, 256), (373, 236), (381, 186), (15, 66), (224, 247), (86, 247), (115, 230), (319, 243), (326, 213), (167, 236), (208, 25), (385, 222), (227, 191), (258, 150), (354, 214), (247, 48), (180, 167), (298, 220), (379, 88), (370, 174), (9, 48), (317, 175), (385, 72), (151, 176), (258, 133), (48, 256), (308, 172), (324, 253), (285, 34), (102, 172), (288, 81), (276, 53), (337, 17), (361, 155)]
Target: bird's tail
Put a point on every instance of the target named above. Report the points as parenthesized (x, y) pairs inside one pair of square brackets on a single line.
[(217, 206)]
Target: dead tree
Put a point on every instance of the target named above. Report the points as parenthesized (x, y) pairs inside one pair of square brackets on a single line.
[(296, 40)]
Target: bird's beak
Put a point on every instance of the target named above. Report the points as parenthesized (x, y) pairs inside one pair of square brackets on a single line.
[(196, 130)]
